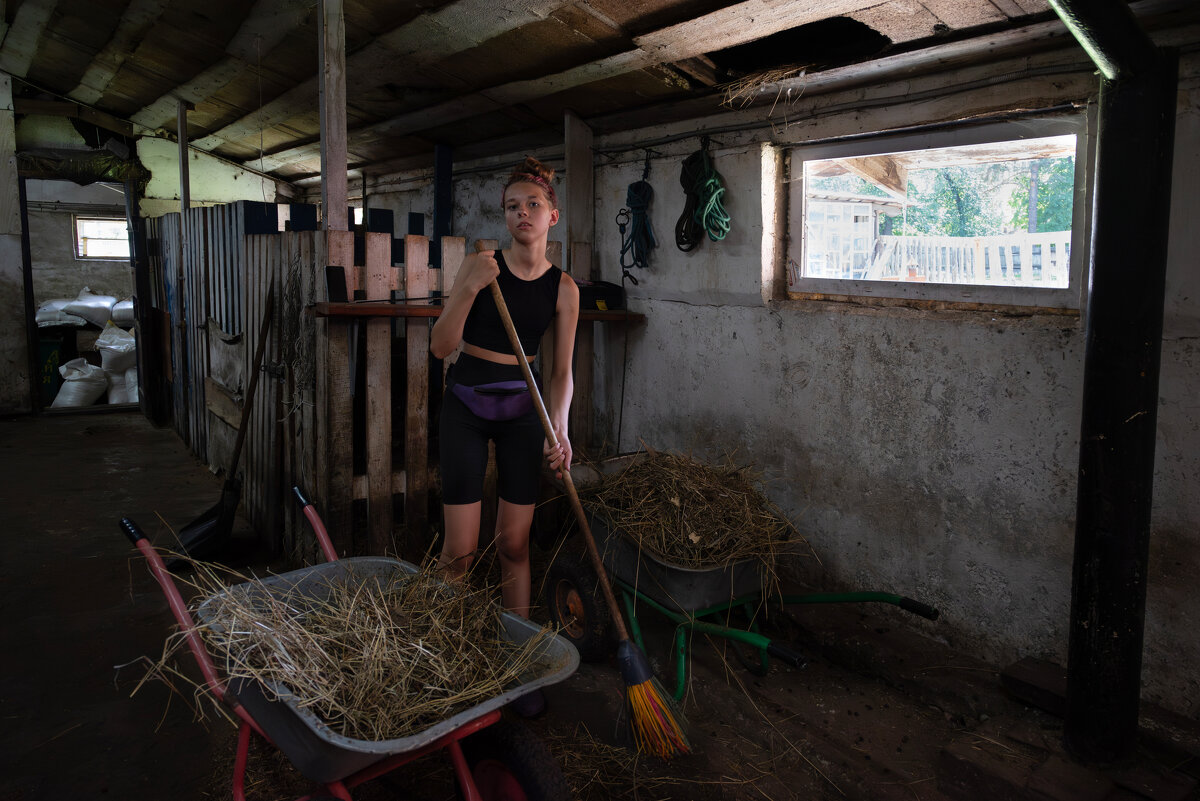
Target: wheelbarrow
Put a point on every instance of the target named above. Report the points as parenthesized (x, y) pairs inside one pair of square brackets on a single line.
[(697, 601), (492, 758)]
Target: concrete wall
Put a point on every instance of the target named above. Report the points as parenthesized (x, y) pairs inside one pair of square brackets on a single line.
[(211, 181), (14, 350), (56, 271), (931, 453)]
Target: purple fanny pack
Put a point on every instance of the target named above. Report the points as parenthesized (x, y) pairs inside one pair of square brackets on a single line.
[(503, 400)]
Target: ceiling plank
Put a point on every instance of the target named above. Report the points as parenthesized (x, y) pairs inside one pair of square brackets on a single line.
[(21, 40), (737, 24), (428, 38), (139, 17), (883, 171), (268, 23)]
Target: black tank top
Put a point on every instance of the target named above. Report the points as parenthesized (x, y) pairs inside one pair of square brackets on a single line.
[(531, 304)]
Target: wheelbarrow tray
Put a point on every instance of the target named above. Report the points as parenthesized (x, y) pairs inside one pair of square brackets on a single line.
[(317, 751), (681, 589)]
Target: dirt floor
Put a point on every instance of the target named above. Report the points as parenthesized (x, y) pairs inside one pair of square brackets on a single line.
[(879, 711)]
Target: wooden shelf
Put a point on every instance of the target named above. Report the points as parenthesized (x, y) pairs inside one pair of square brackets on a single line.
[(427, 309)]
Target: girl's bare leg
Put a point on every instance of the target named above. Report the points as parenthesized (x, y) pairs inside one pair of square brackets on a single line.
[(512, 544), (461, 540)]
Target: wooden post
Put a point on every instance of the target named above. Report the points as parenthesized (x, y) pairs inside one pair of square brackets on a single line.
[(443, 200), (332, 57), (335, 410), (379, 282), (580, 421), (416, 420), (580, 236)]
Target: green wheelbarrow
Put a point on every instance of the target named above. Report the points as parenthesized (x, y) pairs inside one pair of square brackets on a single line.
[(722, 602)]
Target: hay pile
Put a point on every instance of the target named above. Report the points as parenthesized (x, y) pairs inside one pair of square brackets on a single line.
[(376, 657), (692, 514)]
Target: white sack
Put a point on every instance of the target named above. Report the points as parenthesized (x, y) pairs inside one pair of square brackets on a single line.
[(131, 384), (52, 312), (96, 309), (122, 313), (118, 349), (119, 387), (83, 384)]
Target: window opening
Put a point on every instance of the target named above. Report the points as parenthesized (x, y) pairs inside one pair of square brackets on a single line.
[(941, 220), (101, 238)]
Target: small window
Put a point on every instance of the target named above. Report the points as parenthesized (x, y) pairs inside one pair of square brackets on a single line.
[(987, 215), (101, 238)]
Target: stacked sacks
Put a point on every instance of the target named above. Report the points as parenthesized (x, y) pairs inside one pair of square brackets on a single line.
[(96, 309), (118, 359)]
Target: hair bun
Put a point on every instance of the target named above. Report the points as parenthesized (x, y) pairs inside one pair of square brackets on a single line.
[(531, 166)]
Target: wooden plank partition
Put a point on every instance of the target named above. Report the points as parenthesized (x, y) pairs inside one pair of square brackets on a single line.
[(302, 431)]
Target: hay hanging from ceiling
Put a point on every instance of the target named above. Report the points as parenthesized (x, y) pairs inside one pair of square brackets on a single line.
[(745, 90)]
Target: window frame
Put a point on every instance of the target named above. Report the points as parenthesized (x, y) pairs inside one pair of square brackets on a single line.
[(77, 218), (1070, 298)]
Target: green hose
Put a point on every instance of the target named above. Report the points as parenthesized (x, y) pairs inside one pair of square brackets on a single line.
[(703, 212)]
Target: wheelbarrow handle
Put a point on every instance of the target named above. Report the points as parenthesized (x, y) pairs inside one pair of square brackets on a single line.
[(918, 608), (131, 530), (318, 526), (787, 653)]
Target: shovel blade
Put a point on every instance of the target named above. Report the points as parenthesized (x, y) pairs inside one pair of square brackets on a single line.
[(208, 534)]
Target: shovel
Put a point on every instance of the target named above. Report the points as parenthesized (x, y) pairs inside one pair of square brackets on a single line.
[(205, 536)]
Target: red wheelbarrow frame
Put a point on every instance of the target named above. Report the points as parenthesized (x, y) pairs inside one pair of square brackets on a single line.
[(214, 684)]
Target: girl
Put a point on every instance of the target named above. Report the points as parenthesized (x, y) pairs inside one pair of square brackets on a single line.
[(486, 397)]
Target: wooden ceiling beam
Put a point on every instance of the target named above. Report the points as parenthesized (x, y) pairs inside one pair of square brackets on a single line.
[(266, 25), (430, 37), (63, 108), (23, 36), (737, 24), (139, 17)]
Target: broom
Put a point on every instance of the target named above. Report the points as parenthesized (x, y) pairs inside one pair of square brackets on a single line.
[(657, 727)]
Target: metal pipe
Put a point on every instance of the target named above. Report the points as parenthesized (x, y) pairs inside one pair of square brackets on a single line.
[(1109, 32), (1128, 257)]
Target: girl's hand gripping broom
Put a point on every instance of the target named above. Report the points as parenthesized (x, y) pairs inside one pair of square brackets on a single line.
[(657, 725)]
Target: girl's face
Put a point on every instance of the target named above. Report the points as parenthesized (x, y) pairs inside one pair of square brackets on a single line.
[(527, 212)]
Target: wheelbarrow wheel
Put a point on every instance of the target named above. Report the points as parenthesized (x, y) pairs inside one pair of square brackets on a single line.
[(573, 599), (509, 762)]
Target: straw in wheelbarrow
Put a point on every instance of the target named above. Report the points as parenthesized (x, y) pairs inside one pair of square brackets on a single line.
[(657, 725), (374, 655)]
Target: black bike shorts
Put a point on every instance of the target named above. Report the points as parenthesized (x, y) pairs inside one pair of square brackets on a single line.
[(464, 442)]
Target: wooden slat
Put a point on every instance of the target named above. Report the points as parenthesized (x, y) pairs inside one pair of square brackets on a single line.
[(379, 281), (335, 409), (454, 250), (298, 334), (416, 422)]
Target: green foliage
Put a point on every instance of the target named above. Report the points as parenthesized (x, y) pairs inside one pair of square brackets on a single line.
[(1055, 191), (957, 201)]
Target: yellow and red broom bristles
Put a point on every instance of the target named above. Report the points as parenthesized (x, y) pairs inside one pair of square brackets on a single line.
[(656, 729), (657, 726)]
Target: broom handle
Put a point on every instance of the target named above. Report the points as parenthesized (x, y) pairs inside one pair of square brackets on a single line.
[(598, 565)]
